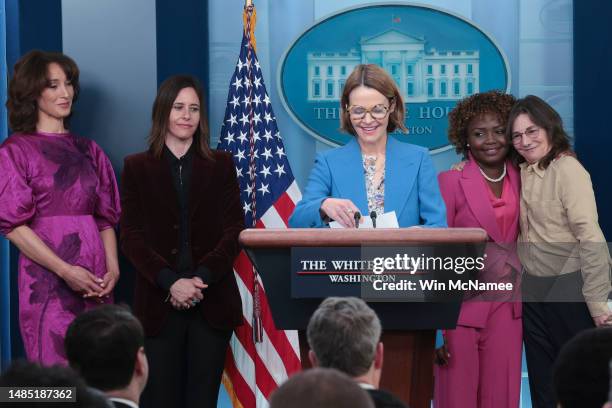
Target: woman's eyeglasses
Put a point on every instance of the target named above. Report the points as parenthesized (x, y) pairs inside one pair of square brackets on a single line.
[(358, 112), (531, 134)]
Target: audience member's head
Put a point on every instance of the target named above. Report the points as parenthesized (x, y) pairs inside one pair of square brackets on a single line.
[(106, 346), (321, 388), (581, 373), (27, 374), (344, 333)]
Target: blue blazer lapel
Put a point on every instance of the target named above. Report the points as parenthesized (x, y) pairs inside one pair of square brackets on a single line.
[(400, 175), (477, 197), (347, 174)]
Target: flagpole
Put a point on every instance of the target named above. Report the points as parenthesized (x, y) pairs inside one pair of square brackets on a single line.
[(249, 28), (256, 152)]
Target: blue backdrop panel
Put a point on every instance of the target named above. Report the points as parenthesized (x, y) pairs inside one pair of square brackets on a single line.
[(592, 87), (30, 24), (182, 39), (5, 345)]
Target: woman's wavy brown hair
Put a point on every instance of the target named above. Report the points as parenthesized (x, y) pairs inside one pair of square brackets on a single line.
[(166, 95), (495, 102), (372, 76), (29, 81), (544, 116)]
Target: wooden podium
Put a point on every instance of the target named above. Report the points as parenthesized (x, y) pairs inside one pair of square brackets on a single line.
[(408, 327)]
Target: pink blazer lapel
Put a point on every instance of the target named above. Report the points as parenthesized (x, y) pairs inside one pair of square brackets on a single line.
[(515, 181), (477, 197)]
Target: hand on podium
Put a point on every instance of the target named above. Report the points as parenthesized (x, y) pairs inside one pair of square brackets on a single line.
[(340, 210)]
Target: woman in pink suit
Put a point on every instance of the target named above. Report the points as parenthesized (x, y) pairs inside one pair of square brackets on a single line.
[(480, 363)]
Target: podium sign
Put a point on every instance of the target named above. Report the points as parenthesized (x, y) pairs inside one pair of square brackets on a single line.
[(408, 326), (411, 273)]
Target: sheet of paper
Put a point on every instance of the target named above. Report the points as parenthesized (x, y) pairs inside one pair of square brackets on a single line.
[(387, 220)]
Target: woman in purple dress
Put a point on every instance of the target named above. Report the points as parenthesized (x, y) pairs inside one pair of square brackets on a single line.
[(58, 204)]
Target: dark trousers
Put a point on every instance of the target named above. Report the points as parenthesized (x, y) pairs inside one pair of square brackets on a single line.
[(547, 326), (185, 362)]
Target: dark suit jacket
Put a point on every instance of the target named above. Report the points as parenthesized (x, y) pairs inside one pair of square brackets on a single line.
[(150, 234), (118, 404), (384, 399)]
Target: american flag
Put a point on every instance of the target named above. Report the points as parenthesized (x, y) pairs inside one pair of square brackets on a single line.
[(260, 357)]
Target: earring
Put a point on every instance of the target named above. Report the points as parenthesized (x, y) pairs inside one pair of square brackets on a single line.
[(467, 145)]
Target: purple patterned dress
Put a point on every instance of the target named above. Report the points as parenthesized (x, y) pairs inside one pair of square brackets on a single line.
[(64, 188)]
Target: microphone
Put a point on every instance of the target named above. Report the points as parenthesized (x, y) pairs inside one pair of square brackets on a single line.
[(357, 216), (373, 217)]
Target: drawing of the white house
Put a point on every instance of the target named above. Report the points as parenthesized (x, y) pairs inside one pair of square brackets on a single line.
[(422, 75)]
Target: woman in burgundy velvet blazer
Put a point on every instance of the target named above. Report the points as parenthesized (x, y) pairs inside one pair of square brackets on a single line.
[(179, 229)]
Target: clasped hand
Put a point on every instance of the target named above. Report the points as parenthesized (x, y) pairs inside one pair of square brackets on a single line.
[(187, 292), (604, 320), (442, 356), (86, 283)]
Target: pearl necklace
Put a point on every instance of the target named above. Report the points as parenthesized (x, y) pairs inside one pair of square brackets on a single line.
[(493, 180)]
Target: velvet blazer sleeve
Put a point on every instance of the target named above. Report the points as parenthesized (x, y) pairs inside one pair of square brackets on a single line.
[(319, 187), (215, 264), (132, 229)]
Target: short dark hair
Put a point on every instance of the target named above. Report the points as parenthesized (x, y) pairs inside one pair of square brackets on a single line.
[(343, 333), (166, 95), (543, 115), (581, 374), (29, 81), (102, 345), (321, 388), (372, 76), (29, 374), (495, 102)]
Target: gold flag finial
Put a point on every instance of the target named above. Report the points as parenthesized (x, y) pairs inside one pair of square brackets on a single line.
[(249, 18)]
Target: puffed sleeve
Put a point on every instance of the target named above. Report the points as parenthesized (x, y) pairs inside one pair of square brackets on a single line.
[(307, 212), (17, 204), (108, 205)]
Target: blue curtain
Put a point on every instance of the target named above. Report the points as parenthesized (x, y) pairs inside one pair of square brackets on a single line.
[(5, 326), (592, 86)]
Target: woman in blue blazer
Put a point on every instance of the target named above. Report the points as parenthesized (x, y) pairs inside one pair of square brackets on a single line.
[(372, 172)]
